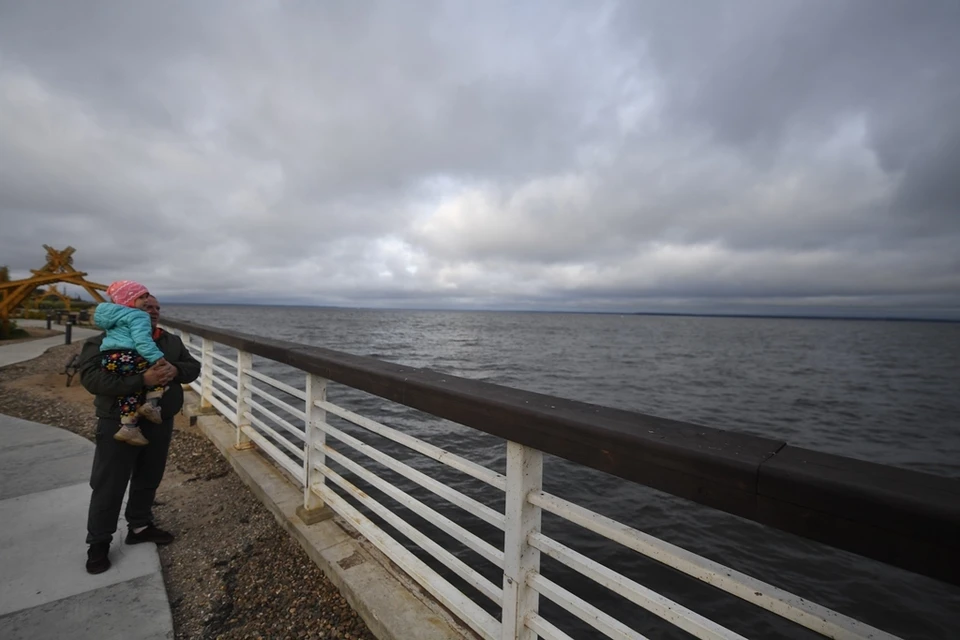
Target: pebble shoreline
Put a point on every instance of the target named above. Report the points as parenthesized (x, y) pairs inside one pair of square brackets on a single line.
[(233, 572)]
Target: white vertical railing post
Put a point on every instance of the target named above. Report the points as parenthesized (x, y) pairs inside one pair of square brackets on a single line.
[(524, 474), (244, 366), (206, 373), (316, 438), (185, 339)]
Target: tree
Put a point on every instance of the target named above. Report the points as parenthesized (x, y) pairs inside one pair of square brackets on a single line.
[(6, 327)]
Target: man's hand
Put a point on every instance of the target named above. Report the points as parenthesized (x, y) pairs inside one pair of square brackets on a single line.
[(159, 374)]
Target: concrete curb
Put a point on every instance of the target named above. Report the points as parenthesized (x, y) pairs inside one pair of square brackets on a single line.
[(391, 608)]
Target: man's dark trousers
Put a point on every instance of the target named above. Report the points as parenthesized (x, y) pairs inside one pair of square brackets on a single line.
[(117, 463)]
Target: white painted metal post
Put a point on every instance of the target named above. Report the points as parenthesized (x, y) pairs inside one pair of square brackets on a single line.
[(206, 373), (244, 366), (524, 474), (316, 391), (185, 339)]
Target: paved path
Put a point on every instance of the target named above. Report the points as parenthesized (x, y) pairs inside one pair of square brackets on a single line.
[(45, 591), (23, 351)]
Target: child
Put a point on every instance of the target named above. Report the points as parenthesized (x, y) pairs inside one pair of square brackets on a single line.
[(128, 349)]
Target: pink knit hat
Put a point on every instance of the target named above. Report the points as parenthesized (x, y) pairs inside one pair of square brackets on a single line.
[(126, 292)]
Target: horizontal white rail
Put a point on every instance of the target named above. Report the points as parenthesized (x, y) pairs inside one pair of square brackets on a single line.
[(450, 494), (276, 384), (278, 456), (453, 563), (229, 375), (448, 595), (228, 388), (544, 629), (599, 620), (228, 412), (224, 359), (815, 617), (690, 621), (290, 427), (440, 455), (280, 404), (265, 428), (445, 524), (224, 395)]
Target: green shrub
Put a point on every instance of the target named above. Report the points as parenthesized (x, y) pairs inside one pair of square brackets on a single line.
[(14, 333)]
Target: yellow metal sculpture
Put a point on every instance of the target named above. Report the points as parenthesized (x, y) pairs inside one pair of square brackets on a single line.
[(50, 292), (59, 268)]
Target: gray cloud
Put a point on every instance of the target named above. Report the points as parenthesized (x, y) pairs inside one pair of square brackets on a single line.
[(753, 76), (626, 156)]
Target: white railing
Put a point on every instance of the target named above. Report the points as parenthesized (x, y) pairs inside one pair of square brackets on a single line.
[(227, 384)]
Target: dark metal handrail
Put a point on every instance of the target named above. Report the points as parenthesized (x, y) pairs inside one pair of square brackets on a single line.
[(900, 517)]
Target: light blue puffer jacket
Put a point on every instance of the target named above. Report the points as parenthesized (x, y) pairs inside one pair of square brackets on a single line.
[(126, 328)]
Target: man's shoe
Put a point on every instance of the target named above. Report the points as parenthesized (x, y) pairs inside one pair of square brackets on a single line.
[(150, 534), (98, 557)]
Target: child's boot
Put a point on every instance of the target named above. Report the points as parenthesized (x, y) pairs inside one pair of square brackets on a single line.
[(151, 412), (131, 434)]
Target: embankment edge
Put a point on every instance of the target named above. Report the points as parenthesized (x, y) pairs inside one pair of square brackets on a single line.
[(392, 608)]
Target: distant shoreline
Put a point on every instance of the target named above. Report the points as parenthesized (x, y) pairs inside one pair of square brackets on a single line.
[(804, 317), (759, 316)]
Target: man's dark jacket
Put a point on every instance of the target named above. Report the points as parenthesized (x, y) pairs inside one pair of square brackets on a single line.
[(107, 386)]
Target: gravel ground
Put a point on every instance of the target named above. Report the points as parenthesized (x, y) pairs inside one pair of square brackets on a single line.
[(232, 572)]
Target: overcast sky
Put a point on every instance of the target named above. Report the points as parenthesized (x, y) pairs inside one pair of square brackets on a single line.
[(633, 156)]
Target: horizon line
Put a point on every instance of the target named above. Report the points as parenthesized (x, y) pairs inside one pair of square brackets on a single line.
[(768, 316)]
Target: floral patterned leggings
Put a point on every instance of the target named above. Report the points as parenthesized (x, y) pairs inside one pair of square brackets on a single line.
[(129, 363)]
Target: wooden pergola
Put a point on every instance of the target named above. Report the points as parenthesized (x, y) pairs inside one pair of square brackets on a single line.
[(59, 268)]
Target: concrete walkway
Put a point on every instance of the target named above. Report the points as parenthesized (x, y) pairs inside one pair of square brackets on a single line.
[(45, 591), (23, 351)]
